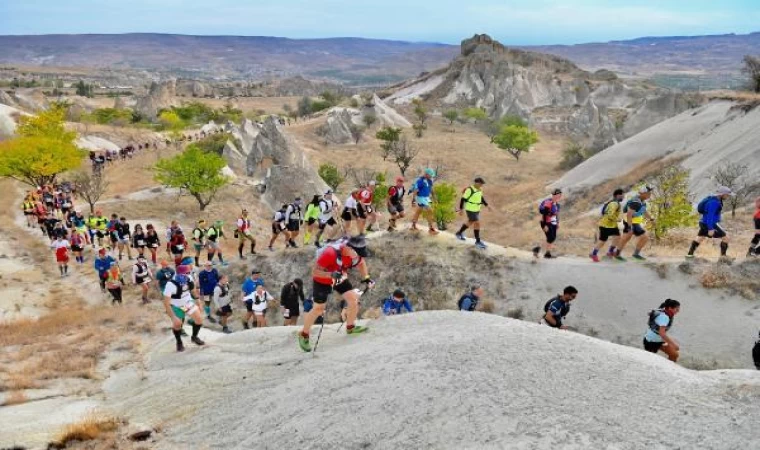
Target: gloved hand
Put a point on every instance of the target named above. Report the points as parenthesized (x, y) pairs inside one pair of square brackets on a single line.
[(369, 282), (338, 278)]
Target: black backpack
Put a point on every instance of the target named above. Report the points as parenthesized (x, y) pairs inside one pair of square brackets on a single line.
[(563, 312), (653, 316), (756, 354)]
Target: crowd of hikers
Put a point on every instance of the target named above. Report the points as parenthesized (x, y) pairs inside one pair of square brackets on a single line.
[(195, 290)]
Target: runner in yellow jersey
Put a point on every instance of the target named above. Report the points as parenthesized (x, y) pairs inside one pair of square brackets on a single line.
[(608, 226), (471, 202)]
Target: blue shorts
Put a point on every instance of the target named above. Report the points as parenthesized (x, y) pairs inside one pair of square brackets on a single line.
[(423, 202)]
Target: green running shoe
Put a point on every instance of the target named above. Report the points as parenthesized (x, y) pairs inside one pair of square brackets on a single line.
[(356, 330), (620, 258), (304, 343), (638, 257)]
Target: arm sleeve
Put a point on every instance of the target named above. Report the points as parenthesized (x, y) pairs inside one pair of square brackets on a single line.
[(408, 305), (710, 219), (387, 307), (288, 213), (483, 200), (217, 292)]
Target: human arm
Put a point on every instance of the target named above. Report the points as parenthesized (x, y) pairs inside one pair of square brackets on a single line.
[(387, 304), (407, 305), (712, 213), (176, 323), (217, 294)]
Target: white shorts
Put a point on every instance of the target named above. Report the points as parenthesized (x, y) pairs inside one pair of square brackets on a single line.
[(261, 313)]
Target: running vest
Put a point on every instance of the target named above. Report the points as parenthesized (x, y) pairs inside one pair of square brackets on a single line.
[(142, 273), (225, 290), (182, 289), (296, 211), (396, 194), (76, 240), (243, 224), (653, 315), (329, 204), (473, 202), (199, 234), (28, 207), (638, 216), (213, 234)]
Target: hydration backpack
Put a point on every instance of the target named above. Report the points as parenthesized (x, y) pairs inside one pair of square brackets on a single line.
[(653, 314), (563, 312), (702, 206), (473, 302), (543, 209)]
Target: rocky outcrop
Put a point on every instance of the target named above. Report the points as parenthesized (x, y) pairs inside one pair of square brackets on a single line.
[(6, 99), (160, 96), (386, 116), (552, 93), (30, 100), (337, 127), (119, 103), (273, 158), (8, 118), (193, 88)]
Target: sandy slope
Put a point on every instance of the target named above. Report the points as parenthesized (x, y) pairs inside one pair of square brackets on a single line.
[(706, 137), (436, 380)]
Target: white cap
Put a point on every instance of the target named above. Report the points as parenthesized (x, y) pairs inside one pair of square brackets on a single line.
[(724, 190), (645, 189)]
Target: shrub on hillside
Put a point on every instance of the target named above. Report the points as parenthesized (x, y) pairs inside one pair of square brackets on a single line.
[(443, 206)]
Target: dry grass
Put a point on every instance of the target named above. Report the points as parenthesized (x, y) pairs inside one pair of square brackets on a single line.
[(487, 306), (731, 95), (93, 427), (15, 398), (270, 105)]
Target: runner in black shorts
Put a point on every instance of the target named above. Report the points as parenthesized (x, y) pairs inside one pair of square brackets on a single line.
[(549, 210), (395, 202)]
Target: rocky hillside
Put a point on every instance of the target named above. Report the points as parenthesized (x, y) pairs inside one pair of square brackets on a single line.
[(596, 109), (703, 137)]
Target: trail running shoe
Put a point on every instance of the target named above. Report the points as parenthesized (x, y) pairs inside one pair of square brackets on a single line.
[(303, 342), (210, 319), (620, 258), (358, 329), (594, 257), (689, 256), (480, 245), (638, 257), (536, 251), (180, 347), (197, 341), (460, 237), (226, 330), (548, 255)]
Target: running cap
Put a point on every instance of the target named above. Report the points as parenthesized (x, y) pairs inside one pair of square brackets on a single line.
[(328, 192), (430, 172), (187, 261), (372, 183), (479, 180), (557, 191), (141, 258), (297, 200), (618, 191), (645, 189), (102, 251), (201, 221), (399, 179), (359, 244), (183, 270), (724, 190), (255, 272)]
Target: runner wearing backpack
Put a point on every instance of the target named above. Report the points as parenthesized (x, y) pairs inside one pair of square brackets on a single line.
[(199, 240), (558, 307), (549, 211), (279, 226), (472, 202), (754, 245), (327, 206), (422, 202), (635, 211), (469, 301), (709, 225), (243, 233), (330, 273), (311, 217), (395, 203), (608, 226), (181, 300), (660, 321), (293, 221)]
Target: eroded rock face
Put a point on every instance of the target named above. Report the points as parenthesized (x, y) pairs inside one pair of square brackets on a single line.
[(161, 95), (268, 155), (552, 93), (337, 127), (387, 116)]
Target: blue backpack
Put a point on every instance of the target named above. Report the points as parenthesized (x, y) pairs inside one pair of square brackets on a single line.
[(702, 206)]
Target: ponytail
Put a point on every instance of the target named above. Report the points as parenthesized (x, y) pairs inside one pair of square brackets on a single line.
[(670, 303)]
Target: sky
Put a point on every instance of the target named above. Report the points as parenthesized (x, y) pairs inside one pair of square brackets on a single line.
[(524, 22)]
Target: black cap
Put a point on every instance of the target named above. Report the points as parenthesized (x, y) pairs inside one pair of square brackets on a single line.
[(617, 192), (398, 293), (557, 191), (479, 180), (255, 272), (359, 244)]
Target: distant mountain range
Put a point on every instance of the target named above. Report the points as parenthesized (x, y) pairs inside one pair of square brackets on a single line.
[(352, 60)]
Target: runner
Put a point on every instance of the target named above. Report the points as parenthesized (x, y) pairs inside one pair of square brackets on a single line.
[(41, 213), (51, 223), (660, 321), (424, 195), (180, 296), (291, 298), (608, 226), (279, 226), (754, 246), (635, 211), (257, 302), (469, 301), (558, 307), (170, 232), (326, 208), (102, 264), (62, 246), (142, 276), (28, 207), (549, 210), (77, 245), (709, 225), (152, 241), (223, 302), (208, 278), (311, 217), (199, 240), (249, 287), (368, 215), (351, 212), (114, 282), (244, 233), (163, 275), (125, 236), (112, 229), (472, 202), (80, 224), (395, 202), (293, 221), (213, 234), (177, 246), (330, 273), (395, 303), (138, 241)]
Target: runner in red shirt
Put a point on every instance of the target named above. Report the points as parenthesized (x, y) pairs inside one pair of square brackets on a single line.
[(61, 247), (754, 247), (330, 273), (365, 209)]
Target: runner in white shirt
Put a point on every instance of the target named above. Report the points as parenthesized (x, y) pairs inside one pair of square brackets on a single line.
[(181, 300), (258, 301)]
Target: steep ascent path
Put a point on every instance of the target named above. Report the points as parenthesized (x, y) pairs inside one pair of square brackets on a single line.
[(441, 379)]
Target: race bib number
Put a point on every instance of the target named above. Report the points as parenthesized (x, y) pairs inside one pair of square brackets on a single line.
[(140, 242), (180, 247), (286, 314)]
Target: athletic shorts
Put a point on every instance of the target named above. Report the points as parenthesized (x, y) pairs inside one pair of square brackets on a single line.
[(395, 209), (124, 240), (348, 214), (289, 313), (225, 310), (62, 258), (77, 248), (261, 313), (652, 347), (606, 233), (198, 247), (212, 245), (361, 211), (99, 234), (276, 228), (637, 229), (473, 216), (311, 220), (330, 221), (551, 232), (321, 292), (180, 312), (718, 232), (423, 202), (294, 225)]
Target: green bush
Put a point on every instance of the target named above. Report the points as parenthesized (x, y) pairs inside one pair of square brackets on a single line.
[(330, 174), (443, 206)]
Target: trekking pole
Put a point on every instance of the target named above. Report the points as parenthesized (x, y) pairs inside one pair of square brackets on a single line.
[(357, 307), (321, 326)]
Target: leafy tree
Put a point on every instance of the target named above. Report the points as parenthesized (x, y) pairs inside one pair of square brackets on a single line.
[(83, 89), (304, 106), (357, 131), (319, 105), (171, 122), (573, 154), (369, 120), (389, 137), (670, 204), (451, 115), (106, 116), (43, 149), (476, 114), (419, 129), (354, 103), (195, 173), (214, 143), (89, 187), (421, 113), (494, 127), (397, 148), (443, 204), (752, 70), (330, 174), (737, 177), (381, 190), (515, 140)]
